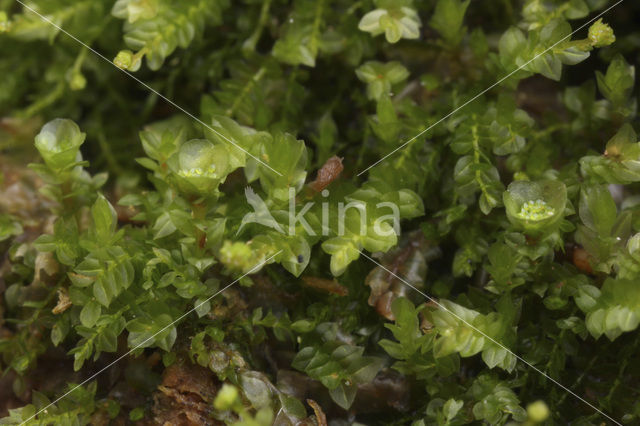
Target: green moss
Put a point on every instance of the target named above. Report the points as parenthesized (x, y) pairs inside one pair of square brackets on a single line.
[(302, 216)]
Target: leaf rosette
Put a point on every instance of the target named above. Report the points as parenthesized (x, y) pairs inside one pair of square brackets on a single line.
[(59, 143), (535, 207), (396, 20), (199, 167), (601, 34), (380, 77)]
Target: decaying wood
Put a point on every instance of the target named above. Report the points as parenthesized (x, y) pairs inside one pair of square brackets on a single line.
[(185, 397)]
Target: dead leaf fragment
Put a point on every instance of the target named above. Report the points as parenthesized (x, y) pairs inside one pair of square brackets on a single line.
[(327, 173), (45, 262), (64, 302), (581, 260), (408, 262)]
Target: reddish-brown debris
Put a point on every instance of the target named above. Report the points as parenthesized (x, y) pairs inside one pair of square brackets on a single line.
[(327, 173)]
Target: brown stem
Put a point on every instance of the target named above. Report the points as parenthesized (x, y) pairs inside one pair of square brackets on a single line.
[(199, 212)]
